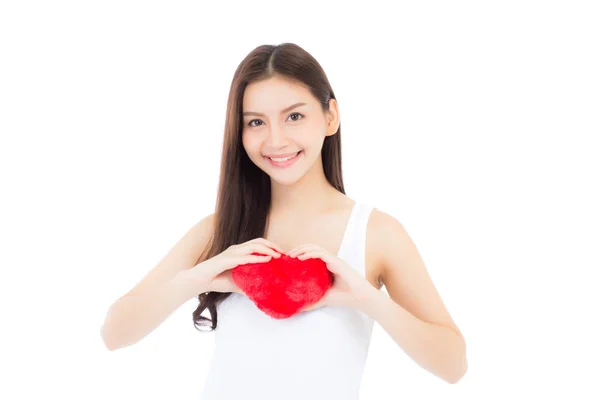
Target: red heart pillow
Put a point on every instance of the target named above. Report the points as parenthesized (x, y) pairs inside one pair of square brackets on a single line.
[(283, 286)]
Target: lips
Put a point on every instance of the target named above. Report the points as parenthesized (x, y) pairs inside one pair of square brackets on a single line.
[(286, 163), (283, 155)]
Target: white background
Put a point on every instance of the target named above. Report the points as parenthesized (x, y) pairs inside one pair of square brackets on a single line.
[(474, 123)]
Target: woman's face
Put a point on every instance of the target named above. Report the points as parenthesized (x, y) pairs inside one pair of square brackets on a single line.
[(280, 119)]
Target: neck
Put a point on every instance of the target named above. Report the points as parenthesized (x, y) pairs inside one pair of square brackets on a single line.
[(310, 195)]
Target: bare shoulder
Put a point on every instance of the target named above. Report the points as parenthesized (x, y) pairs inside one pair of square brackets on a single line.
[(403, 271), (202, 233), (381, 225), (376, 227), (184, 254), (389, 239)]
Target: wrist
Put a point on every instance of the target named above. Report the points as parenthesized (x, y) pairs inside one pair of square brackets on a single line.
[(187, 286), (372, 302)]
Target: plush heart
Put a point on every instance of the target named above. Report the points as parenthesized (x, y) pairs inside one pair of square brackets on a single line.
[(283, 286)]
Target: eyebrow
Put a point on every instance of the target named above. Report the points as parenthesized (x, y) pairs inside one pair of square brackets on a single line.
[(282, 111)]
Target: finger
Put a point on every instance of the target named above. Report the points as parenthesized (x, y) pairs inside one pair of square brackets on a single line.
[(251, 259), (257, 259), (271, 244), (276, 249), (312, 254), (260, 248), (301, 249), (304, 255)]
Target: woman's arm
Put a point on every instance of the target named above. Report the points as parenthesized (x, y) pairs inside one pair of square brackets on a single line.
[(413, 313), (436, 348), (133, 316)]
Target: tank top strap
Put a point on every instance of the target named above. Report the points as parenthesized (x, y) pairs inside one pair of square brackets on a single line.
[(355, 240)]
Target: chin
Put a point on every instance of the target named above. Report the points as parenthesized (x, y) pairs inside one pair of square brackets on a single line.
[(284, 182), (285, 179)]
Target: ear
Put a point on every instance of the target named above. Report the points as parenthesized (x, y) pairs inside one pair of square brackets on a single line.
[(332, 117)]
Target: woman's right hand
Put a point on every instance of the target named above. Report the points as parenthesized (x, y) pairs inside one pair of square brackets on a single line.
[(214, 274)]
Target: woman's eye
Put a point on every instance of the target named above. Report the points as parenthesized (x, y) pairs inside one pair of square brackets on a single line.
[(296, 114), (292, 114)]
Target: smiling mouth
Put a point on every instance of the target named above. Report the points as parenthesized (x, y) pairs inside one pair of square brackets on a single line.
[(283, 159)]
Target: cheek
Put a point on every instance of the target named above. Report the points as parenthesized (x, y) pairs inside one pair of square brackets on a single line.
[(315, 132), (253, 149), (249, 144)]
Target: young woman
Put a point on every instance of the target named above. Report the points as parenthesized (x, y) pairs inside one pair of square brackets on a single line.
[(281, 191)]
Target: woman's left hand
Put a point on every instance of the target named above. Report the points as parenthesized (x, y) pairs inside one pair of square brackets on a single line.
[(349, 288)]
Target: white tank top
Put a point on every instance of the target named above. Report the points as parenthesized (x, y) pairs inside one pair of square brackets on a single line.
[(317, 354)]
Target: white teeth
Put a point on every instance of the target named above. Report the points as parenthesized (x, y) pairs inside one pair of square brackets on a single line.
[(283, 159)]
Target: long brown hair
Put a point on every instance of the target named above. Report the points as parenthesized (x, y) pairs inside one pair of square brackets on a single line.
[(244, 195)]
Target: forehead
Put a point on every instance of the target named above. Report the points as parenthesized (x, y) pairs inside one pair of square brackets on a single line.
[(274, 94)]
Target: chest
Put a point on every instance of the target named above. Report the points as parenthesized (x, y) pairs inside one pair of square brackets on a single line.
[(328, 233)]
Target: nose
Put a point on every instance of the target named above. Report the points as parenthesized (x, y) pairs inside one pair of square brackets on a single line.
[(276, 137)]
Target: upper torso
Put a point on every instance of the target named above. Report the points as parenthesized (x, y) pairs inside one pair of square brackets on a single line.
[(317, 354), (325, 232)]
